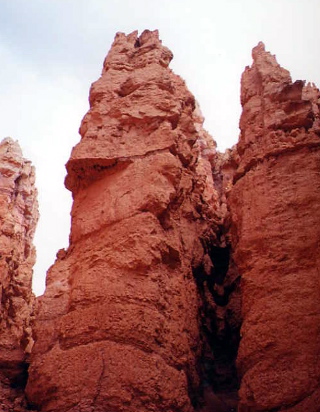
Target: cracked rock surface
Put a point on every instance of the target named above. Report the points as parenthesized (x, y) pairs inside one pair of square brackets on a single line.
[(190, 274), (18, 219), (118, 326), (274, 207)]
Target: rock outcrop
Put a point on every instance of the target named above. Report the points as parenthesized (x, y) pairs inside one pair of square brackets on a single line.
[(19, 215), (274, 206), (175, 247), (118, 326)]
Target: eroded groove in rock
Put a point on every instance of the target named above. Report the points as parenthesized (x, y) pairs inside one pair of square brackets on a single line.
[(19, 215), (118, 326), (275, 215)]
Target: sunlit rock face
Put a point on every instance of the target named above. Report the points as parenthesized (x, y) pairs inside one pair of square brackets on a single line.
[(18, 219), (274, 207), (118, 326)]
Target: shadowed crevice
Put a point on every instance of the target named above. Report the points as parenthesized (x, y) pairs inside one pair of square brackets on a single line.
[(220, 321)]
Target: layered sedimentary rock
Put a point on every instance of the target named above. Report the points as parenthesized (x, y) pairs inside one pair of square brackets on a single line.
[(143, 311), (118, 326), (274, 205), (19, 215)]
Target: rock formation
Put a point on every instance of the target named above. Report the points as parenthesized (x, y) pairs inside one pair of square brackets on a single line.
[(118, 325), (173, 248), (274, 207), (19, 215)]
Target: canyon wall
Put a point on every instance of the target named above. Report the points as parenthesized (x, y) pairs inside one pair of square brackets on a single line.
[(19, 216), (176, 251), (275, 213)]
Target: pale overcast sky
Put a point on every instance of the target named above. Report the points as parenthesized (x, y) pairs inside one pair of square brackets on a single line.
[(52, 50)]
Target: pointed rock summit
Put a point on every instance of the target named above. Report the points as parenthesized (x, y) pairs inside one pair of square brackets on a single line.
[(277, 114), (118, 325), (274, 208), (191, 282), (137, 95)]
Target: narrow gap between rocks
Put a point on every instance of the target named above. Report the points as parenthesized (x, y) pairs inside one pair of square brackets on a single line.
[(218, 284)]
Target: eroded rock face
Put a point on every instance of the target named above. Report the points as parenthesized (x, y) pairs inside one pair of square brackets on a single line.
[(143, 311), (19, 215), (118, 325), (275, 214)]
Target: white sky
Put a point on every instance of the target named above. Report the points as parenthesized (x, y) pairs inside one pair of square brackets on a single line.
[(52, 50)]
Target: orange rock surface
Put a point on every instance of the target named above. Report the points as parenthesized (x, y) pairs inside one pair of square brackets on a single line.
[(118, 325), (19, 215), (275, 214), (173, 248)]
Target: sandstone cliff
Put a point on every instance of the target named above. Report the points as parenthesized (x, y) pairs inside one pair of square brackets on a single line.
[(19, 215), (175, 247), (274, 206)]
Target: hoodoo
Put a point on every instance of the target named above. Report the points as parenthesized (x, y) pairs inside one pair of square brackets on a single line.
[(118, 325), (191, 282), (274, 208)]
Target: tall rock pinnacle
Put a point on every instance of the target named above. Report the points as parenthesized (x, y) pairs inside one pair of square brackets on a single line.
[(118, 325), (274, 207), (19, 216), (175, 248)]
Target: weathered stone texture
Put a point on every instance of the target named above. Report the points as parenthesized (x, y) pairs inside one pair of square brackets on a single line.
[(275, 214), (142, 312), (118, 325), (18, 219)]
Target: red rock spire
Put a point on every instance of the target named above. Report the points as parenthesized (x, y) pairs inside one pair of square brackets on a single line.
[(276, 112), (148, 266), (118, 325), (274, 207)]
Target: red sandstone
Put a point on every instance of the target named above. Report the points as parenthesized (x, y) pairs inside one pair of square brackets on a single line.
[(274, 207), (118, 328), (173, 249), (19, 215)]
